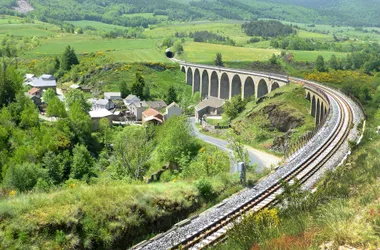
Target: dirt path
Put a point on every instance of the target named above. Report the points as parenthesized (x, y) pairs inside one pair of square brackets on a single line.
[(24, 6)]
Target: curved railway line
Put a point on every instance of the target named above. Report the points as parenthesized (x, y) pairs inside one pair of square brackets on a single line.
[(211, 226)]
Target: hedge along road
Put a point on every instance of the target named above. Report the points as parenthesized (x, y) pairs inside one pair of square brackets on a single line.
[(260, 158)]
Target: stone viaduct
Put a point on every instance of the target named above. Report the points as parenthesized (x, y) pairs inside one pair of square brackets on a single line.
[(225, 83), (319, 104)]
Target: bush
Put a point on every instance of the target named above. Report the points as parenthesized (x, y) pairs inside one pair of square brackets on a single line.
[(205, 188), (22, 177)]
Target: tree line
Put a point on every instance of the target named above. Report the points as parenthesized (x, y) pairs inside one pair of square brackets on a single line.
[(267, 29)]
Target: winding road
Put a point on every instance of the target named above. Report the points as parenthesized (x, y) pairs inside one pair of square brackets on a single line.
[(262, 159)]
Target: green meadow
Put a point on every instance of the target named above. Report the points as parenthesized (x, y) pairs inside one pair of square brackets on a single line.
[(96, 25), (231, 29), (28, 29), (121, 50)]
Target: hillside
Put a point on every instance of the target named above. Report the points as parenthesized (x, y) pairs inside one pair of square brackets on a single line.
[(339, 12)]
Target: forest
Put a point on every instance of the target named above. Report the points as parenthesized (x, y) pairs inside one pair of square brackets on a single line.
[(115, 11)]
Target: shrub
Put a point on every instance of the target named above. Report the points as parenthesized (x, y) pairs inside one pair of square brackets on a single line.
[(205, 188), (22, 177)]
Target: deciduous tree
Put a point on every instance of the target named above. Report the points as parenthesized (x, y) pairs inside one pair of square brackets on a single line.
[(175, 140), (77, 96), (320, 64), (132, 149), (56, 108), (83, 163), (48, 95)]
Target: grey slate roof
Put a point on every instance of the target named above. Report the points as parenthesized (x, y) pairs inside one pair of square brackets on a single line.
[(130, 97), (173, 104), (157, 104), (43, 81), (102, 102), (210, 102)]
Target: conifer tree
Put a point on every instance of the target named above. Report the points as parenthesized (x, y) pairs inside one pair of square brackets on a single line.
[(69, 58)]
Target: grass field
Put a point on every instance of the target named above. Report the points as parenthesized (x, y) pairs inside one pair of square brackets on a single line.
[(96, 25), (205, 52), (231, 29), (28, 29), (126, 50)]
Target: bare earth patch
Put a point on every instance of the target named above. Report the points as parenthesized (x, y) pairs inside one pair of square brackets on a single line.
[(23, 6)]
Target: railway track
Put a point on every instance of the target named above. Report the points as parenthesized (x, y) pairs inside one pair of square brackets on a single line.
[(211, 226)]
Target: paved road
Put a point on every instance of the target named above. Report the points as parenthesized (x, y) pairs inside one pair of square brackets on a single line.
[(262, 159)]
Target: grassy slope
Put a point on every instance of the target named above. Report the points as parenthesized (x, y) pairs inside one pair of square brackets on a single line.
[(105, 215), (292, 100)]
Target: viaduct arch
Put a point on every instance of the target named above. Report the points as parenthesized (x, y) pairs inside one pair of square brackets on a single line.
[(225, 83), (319, 104)]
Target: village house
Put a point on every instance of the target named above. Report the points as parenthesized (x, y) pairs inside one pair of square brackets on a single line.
[(97, 115), (152, 116), (35, 95), (101, 104), (137, 108), (209, 106), (43, 82), (35, 92), (130, 99), (172, 110), (112, 96), (157, 105)]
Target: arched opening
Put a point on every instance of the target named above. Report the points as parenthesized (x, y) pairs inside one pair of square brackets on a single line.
[(274, 86), (169, 54), (313, 106), (236, 86), (214, 84), (224, 87), (249, 88), (204, 90), (183, 69), (262, 88), (197, 81), (308, 96), (318, 115), (189, 77), (322, 110)]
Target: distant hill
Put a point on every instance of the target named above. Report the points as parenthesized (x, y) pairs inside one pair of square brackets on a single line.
[(337, 12), (351, 12)]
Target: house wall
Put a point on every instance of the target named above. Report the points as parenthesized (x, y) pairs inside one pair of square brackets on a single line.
[(173, 111)]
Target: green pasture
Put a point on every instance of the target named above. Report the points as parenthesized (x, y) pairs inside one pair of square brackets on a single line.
[(205, 52), (4, 19), (125, 50), (96, 25), (340, 31), (231, 29), (28, 29), (145, 15)]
